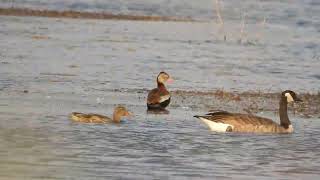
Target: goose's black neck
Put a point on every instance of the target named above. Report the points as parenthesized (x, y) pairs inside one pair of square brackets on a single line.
[(284, 119)]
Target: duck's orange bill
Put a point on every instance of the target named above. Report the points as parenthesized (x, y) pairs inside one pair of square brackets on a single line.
[(170, 80)]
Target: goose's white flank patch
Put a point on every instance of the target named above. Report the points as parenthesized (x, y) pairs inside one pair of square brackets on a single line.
[(214, 126), (289, 97), (164, 98), (290, 128)]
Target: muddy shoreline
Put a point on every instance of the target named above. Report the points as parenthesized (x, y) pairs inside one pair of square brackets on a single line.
[(85, 15), (251, 102)]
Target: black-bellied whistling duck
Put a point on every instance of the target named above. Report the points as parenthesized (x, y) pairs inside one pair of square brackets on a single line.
[(223, 121), (119, 112), (159, 98)]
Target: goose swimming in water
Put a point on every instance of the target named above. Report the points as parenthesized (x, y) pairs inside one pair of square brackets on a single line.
[(159, 98), (119, 112), (223, 121)]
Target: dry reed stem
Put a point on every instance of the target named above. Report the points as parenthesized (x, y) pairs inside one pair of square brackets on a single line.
[(220, 19), (243, 22), (262, 25)]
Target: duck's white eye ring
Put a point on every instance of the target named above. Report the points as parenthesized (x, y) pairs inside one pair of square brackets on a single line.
[(289, 97)]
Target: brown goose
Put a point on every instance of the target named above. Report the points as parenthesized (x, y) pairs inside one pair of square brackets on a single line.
[(222, 121), (159, 98), (96, 118)]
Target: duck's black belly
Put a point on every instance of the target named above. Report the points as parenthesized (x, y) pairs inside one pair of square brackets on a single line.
[(161, 105)]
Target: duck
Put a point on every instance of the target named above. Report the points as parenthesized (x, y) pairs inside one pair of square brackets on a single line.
[(223, 121), (118, 112), (159, 97)]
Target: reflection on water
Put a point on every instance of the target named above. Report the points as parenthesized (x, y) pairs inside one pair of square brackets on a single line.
[(160, 111)]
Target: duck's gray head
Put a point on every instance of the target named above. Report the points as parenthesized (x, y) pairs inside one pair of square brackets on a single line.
[(291, 96)]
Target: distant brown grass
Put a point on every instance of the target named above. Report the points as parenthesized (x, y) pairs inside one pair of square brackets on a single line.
[(84, 15)]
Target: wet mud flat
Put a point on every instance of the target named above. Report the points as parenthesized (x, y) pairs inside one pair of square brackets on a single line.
[(249, 102), (242, 102)]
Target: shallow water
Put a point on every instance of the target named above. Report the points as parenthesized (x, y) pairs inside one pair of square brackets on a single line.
[(66, 65), (193, 52), (45, 144)]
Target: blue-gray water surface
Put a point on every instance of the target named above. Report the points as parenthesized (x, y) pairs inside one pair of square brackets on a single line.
[(50, 67)]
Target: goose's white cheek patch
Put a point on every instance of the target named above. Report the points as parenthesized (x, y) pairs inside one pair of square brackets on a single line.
[(289, 97), (217, 127)]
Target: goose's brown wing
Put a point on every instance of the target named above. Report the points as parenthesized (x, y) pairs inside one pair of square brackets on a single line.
[(154, 96), (244, 122)]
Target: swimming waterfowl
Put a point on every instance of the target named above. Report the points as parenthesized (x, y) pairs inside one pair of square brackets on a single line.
[(159, 98), (223, 121), (119, 112)]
